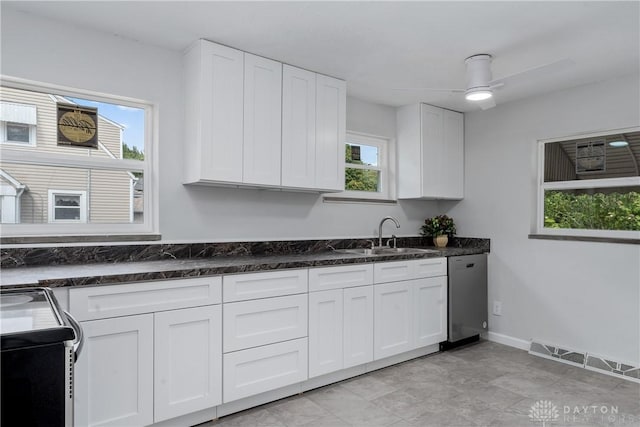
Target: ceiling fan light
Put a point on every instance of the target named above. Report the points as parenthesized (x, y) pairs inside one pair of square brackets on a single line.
[(479, 94)]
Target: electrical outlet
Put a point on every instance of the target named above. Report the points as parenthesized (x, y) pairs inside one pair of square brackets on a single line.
[(497, 308)]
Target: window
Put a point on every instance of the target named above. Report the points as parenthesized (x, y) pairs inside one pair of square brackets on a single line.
[(367, 167), (77, 180), (590, 185), (18, 123), (67, 206)]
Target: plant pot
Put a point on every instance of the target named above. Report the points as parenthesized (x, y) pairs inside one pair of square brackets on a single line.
[(441, 241)]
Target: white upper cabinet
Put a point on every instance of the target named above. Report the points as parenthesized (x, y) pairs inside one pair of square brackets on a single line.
[(313, 130), (213, 113), (251, 121), (298, 127), (430, 153), (262, 120), (331, 100)]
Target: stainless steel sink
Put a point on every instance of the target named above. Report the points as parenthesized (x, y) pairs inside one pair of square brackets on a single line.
[(386, 251)]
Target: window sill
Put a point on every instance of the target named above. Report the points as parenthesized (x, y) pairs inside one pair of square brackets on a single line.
[(337, 199), (107, 238), (629, 241)]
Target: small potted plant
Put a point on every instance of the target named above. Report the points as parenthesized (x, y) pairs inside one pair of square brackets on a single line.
[(439, 227)]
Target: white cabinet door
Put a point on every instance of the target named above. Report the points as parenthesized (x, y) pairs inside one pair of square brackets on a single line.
[(217, 81), (330, 132), (260, 369), (114, 373), (298, 127), (188, 361), (264, 321), (393, 319), (262, 120), (429, 311), (432, 150), (325, 332), (430, 153), (358, 326), (452, 176)]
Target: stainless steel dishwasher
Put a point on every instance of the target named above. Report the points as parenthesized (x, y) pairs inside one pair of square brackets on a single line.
[(467, 312)]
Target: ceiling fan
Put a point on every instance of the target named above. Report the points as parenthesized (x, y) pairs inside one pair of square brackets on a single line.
[(480, 85)]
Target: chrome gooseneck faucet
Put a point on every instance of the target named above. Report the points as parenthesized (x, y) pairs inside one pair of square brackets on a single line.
[(380, 227)]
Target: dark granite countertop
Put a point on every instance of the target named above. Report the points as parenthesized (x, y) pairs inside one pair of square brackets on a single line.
[(133, 271)]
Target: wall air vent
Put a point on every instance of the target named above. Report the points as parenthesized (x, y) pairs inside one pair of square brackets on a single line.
[(591, 157)]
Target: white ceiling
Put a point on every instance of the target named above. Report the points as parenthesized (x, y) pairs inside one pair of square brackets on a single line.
[(375, 46)]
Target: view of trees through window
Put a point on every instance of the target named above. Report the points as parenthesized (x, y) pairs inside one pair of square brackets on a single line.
[(596, 211), (593, 183), (361, 178)]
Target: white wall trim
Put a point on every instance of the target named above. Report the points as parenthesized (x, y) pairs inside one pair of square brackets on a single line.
[(507, 340)]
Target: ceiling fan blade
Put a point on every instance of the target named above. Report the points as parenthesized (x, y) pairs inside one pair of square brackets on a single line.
[(487, 103), (432, 89), (539, 70)]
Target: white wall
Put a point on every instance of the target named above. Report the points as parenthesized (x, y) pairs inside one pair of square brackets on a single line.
[(582, 295), (57, 53)]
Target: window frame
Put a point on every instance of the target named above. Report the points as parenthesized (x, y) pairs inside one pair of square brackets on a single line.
[(595, 184), (5, 138), (51, 203), (146, 230), (386, 162)]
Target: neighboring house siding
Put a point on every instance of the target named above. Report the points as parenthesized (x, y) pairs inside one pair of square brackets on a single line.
[(106, 205), (34, 202), (108, 192), (110, 136)]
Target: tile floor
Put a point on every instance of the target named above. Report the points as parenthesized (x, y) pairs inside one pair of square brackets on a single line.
[(483, 384)]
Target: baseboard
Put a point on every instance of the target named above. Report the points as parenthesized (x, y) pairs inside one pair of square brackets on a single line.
[(507, 340)]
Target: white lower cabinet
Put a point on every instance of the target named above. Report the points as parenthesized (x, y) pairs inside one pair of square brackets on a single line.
[(411, 310), (340, 329), (114, 373), (156, 352), (260, 369), (430, 311), (358, 326), (153, 351), (393, 320), (188, 361), (325, 332), (264, 321)]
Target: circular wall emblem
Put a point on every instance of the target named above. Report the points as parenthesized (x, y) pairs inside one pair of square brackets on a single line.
[(77, 126)]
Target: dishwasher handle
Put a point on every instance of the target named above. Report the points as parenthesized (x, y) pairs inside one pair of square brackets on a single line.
[(78, 342)]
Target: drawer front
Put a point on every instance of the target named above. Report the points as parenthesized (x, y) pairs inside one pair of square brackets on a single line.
[(265, 368), (121, 300), (393, 271), (265, 321), (430, 267), (241, 287), (339, 277)]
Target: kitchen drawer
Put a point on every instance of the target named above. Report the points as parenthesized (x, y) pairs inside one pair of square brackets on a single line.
[(101, 302), (265, 321), (241, 287), (343, 276), (265, 368), (430, 267), (394, 271)]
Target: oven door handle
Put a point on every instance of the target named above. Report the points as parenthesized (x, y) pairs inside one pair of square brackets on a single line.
[(78, 343)]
